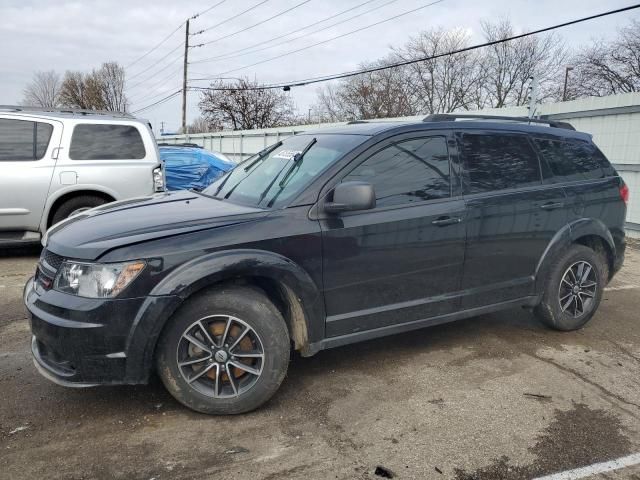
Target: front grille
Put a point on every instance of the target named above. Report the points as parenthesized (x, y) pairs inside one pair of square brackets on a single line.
[(51, 260), (48, 268)]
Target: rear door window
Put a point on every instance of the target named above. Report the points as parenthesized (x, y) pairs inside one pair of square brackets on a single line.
[(573, 160), (22, 140), (407, 172), (106, 142), (498, 161)]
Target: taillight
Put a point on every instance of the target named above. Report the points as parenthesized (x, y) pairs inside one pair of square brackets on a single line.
[(624, 193)]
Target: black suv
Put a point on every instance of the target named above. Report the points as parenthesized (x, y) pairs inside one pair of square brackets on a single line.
[(325, 239)]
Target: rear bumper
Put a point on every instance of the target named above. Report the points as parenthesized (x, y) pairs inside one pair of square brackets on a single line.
[(85, 342)]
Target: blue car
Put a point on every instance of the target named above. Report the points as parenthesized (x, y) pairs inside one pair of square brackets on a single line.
[(189, 166)]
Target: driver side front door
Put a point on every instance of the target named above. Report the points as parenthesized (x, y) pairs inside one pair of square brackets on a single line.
[(401, 261)]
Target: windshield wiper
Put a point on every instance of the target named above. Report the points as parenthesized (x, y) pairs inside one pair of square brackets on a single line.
[(259, 156), (297, 161), (262, 154)]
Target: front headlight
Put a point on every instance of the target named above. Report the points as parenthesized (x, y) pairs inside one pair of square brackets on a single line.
[(96, 280)]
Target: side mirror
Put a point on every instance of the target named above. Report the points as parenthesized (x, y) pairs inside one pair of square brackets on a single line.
[(350, 196)]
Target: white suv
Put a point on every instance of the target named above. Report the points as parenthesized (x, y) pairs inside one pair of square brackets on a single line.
[(54, 164)]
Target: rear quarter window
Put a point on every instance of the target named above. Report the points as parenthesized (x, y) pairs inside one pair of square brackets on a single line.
[(572, 160), (106, 142), (498, 161)]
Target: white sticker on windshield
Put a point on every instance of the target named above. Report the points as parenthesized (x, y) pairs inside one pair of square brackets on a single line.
[(286, 154)]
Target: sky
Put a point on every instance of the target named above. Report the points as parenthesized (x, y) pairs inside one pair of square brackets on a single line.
[(39, 35)]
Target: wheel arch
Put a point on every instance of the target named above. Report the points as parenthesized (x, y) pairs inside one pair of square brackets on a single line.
[(285, 283), (590, 232), (62, 196)]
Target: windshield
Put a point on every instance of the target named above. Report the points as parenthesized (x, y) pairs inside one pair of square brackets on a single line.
[(278, 173)]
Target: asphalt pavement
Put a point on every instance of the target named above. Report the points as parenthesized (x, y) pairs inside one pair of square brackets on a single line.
[(496, 396)]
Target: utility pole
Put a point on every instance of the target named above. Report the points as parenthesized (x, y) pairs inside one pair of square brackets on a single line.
[(162, 128), (566, 78), (533, 96), (184, 79)]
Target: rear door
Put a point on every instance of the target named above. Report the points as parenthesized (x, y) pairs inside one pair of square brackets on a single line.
[(27, 151), (512, 215), (589, 180), (401, 261), (114, 158)]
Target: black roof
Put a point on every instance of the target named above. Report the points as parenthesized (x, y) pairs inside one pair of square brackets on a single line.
[(507, 124)]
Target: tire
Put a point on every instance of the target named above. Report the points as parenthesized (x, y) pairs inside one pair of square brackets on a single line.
[(224, 388), (560, 305), (74, 204)]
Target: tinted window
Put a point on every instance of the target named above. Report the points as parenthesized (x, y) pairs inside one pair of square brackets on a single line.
[(275, 177), (106, 142), (406, 172), (498, 161), (23, 140), (574, 160)]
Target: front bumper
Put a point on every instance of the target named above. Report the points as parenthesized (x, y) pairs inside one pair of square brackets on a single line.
[(85, 342)]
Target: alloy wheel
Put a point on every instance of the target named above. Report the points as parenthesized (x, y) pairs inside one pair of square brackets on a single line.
[(220, 356), (578, 289)]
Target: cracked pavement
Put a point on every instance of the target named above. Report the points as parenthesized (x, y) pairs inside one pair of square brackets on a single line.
[(495, 396)]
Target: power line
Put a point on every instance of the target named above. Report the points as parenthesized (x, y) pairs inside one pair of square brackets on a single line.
[(154, 75), (207, 10), (251, 26), (165, 39), (332, 38), (154, 64), (326, 78), (154, 96), (160, 83), (230, 55), (156, 47), (163, 100), (230, 18)]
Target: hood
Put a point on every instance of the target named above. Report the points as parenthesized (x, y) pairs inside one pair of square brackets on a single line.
[(94, 232)]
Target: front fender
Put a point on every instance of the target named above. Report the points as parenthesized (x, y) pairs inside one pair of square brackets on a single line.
[(203, 271)]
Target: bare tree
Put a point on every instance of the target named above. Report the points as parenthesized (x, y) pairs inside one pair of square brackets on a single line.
[(510, 66), (111, 78), (43, 91), (102, 89), (443, 84), (608, 68), (81, 90), (385, 93), (199, 125), (239, 105)]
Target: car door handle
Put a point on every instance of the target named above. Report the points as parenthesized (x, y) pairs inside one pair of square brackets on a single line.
[(443, 221), (552, 205)]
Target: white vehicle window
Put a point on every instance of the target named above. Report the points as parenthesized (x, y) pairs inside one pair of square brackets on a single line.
[(21, 140), (106, 142)]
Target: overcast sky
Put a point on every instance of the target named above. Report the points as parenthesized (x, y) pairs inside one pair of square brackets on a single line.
[(80, 35)]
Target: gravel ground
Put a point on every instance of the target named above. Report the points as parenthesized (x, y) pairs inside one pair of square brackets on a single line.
[(497, 397)]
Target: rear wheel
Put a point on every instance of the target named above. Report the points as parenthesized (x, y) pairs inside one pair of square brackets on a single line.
[(76, 205), (224, 352), (573, 289)]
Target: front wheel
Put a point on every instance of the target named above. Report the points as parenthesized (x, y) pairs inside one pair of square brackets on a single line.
[(573, 289), (224, 352)]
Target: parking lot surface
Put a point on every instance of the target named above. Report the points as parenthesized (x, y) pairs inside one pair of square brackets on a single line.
[(495, 396)]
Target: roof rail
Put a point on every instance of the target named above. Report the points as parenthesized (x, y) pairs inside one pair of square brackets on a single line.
[(76, 111), (447, 117), (356, 122)]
